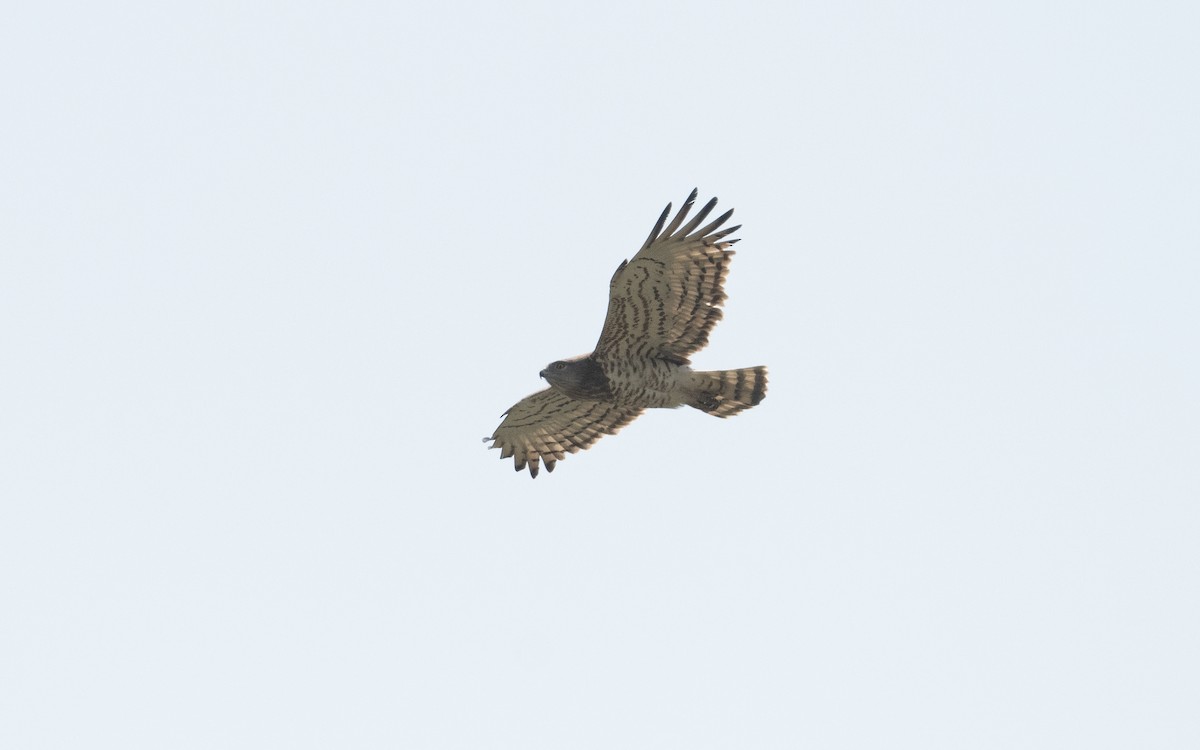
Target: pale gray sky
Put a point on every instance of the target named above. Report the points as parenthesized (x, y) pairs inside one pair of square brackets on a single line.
[(271, 270)]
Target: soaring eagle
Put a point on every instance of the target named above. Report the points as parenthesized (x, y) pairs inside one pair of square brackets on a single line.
[(662, 305)]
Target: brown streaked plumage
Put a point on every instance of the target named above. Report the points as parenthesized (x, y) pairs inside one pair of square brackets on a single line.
[(663, 303)]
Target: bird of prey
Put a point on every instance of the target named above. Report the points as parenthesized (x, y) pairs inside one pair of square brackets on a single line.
[(662, 305)]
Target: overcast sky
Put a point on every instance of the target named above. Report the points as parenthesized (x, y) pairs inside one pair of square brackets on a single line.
[(270, 271)]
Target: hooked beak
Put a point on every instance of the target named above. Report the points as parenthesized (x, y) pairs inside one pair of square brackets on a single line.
[(542, 374)]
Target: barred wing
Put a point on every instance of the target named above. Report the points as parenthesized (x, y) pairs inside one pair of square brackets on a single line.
[(664, 301), (549, 424)]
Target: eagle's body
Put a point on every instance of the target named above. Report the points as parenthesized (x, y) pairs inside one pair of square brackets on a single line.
[(662, 305), (647, 382)]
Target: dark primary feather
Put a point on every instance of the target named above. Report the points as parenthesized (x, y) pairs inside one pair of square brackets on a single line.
[(657, 227), (683, 211)]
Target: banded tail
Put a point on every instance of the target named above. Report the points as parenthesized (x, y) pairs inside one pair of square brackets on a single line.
[(723, 393)]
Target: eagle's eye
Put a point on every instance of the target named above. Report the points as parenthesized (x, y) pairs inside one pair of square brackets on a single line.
[(560, 365)]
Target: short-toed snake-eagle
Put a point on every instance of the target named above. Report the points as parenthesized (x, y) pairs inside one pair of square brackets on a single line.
[(662, 304)]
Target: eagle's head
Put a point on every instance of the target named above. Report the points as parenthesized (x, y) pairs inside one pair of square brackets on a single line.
[(579, 378)]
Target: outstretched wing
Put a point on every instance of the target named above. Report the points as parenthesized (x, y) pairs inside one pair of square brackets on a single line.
[(549, 424), (665, 300)]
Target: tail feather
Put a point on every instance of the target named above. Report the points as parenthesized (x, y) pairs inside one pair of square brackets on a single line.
[(723, 393)]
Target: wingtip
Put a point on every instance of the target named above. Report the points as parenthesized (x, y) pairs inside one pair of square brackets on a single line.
[(654, 232)]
